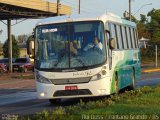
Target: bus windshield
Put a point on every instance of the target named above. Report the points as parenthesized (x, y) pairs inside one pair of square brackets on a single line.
[(70, 45)]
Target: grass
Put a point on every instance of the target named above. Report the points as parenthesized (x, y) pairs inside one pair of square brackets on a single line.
[(146, 104), (139, 104)]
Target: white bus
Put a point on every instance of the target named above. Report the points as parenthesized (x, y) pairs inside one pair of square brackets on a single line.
[(85, 56)]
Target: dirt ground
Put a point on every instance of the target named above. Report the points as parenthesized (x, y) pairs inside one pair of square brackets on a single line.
[(16, 75)]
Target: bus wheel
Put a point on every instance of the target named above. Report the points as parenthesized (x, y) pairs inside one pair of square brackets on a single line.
[(54, 101), (133, 80), (116, 84)]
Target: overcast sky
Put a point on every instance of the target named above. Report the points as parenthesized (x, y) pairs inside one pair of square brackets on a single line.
[(88, 7)]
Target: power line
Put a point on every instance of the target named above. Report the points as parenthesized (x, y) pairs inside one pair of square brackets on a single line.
[(82, 9)]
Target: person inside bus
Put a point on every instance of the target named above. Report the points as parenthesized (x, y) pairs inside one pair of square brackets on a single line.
[(96, 44), (69, 45), (73, 49)]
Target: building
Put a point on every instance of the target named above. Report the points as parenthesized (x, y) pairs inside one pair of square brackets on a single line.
[(23, 50)]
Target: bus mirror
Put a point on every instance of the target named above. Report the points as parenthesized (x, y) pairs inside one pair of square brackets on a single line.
[(30, 46), (112, 43)]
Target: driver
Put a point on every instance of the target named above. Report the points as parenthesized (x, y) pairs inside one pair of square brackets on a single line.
[(96, 44)]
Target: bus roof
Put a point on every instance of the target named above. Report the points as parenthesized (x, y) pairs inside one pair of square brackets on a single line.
[(85, 17)]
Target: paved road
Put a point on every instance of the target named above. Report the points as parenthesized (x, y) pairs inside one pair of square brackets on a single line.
[(22, 99)]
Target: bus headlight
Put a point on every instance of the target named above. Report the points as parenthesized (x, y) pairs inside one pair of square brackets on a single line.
[(99, 76), (42, 79)]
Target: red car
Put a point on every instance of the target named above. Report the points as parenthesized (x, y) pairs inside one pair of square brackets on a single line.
[(23, 65), (3, 65)]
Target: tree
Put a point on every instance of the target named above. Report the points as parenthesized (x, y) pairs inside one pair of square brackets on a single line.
[(15, 48), (22, 38), (142, 30), (1, 46), (154, 25), (143, 19)]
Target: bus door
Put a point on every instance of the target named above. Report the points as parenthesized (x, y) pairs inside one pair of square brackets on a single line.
[(111, 44)]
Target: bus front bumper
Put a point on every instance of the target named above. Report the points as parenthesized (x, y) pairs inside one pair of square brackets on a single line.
[(100, 87)]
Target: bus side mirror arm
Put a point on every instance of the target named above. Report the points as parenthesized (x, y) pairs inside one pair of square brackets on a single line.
[(111, 43), (111, 40), (30, 46)]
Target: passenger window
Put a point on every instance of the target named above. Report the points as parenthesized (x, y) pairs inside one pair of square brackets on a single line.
[(128, 37), (124, 37), (115, 27), (126, 33), (113, 33), (119, 37), (132, 36), (135, 38)]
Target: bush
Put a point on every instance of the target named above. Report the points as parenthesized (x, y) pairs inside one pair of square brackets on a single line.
[(68, 112)]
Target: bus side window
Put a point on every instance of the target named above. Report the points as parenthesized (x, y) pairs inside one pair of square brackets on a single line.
[(113, 33), (136, 34), (124, 37), (116, 35), (119, 37), (128, 38), (133, 40)]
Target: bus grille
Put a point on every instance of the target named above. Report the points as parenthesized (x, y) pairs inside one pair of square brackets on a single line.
[(72, 92), (70, 81)]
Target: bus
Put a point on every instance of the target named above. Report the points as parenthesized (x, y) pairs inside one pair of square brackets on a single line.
[(81, 56)]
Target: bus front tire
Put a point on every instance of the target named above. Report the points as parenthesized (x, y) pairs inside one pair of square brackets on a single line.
[(54, 101)]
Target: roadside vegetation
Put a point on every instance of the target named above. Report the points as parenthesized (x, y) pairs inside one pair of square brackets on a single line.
[(23, 76), (148, 27), (8, 76), (139, 104)]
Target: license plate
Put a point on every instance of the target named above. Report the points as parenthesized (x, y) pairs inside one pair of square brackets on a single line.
[(71, 87)]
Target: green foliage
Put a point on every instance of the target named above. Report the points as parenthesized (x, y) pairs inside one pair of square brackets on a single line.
[(154, 25), (1, 45), (22, 38), (134, 19), (142, 30), (44, 115), (149, 27), (1, 48), (129, 103), (15, 48), (148, 54), (143, 18)]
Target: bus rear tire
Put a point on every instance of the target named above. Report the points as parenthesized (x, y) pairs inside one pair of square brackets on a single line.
[(133, 80), (54, 101)]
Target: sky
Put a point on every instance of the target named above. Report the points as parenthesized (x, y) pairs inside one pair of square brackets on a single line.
[(87, 7)]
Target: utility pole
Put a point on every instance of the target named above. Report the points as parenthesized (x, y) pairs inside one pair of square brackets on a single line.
[(79, 6), (130, 16), (156, 56), (1, 31), (58, 3), (9, 45)]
